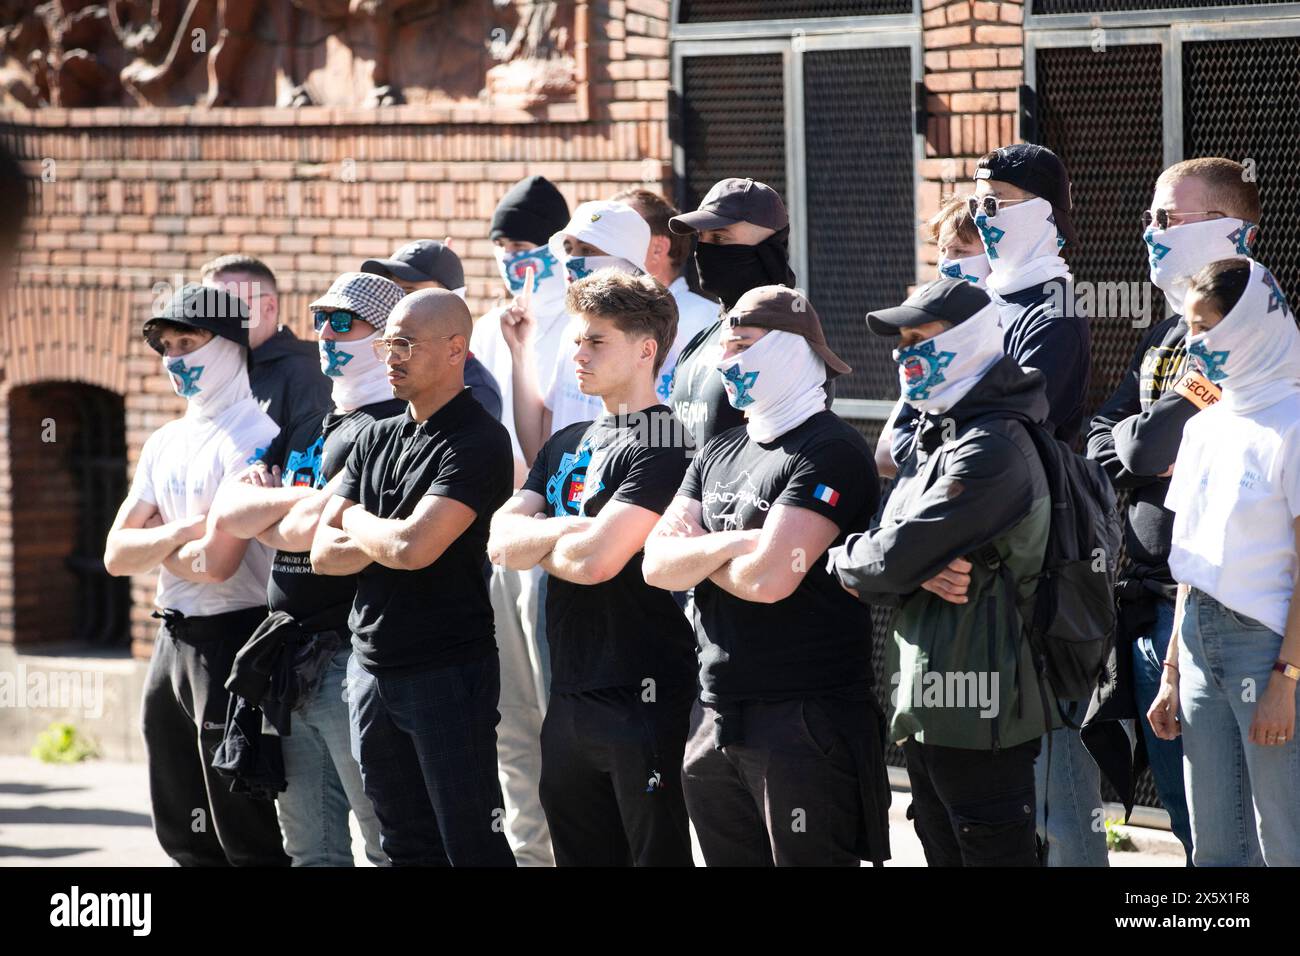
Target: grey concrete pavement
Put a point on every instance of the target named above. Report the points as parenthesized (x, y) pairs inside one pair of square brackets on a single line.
[(96, 813)]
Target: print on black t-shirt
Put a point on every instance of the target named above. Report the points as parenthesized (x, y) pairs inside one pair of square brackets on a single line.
[(309, 455), (622, 631), (817, 641)]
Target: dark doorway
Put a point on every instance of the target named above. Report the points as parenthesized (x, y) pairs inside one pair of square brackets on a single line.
[(67, 443)]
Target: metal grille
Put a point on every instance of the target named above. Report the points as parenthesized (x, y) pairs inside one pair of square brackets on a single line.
[(733, 121), (713, 11), (1239, 102), (1101, 113), (1113, 6), (860, 203)]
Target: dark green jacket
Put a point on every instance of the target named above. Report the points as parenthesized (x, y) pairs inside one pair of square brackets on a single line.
[(972, 486)]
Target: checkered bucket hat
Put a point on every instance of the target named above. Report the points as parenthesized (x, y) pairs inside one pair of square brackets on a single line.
[(370, 296)]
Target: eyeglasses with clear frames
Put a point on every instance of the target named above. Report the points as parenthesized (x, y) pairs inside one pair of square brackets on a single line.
[(401, 348)]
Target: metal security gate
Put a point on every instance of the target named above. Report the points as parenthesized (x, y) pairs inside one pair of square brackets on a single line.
[(821, 109), (1123, 88)]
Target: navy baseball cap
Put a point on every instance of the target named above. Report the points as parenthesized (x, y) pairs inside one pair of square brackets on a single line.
[(1035, 169), (949, 300), (421, 261), (731, 201)]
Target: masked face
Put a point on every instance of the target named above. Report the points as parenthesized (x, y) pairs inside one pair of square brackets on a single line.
[(935, 374), (579, 267), (974, 269), (1177, 253), (1018, 233), (346, 359), (209, 377), (729, 270), (548, 282)]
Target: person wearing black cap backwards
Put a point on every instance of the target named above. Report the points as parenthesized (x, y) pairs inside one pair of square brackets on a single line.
[(428, 264), (522, 225), (410, 519), (744, 235), (279, 502), (786, 765), (211, 587), (963, 702)]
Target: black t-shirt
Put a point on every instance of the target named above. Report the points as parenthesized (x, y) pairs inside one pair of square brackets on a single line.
[(438, 615), (697, 397), (310, 455), (817, 641), (622, 631)]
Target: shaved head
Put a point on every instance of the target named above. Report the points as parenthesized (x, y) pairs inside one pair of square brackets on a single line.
[(427, 313)]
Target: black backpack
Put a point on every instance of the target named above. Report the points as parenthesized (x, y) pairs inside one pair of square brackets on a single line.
[(1072, 628)]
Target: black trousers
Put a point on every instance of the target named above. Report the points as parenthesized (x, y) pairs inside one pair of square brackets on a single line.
[(787, 793), (199, 822), (974, 807), (611, 782)]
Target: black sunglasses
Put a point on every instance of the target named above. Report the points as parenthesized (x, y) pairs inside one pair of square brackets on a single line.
[(1162, 216), (340, 320)]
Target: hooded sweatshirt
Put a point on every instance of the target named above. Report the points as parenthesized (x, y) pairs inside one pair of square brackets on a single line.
[(971, 485), (287, 381)]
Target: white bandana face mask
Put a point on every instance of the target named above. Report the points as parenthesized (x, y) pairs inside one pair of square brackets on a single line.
[(1254, 351), (777, 382), (579, 267), (936, 374), (357, 375), (211, 378), (548, 278), (974, 269), (1022, 244), (1177, 253)]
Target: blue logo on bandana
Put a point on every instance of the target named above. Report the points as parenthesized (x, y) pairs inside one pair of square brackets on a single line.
[(337, 359), (541, 259), (1210, 364), (1158, 250), (742, 384), (923, 368), (577, 267), (991, 235), (1275, 296), (566, 489), (1242, 238), (186, 377)]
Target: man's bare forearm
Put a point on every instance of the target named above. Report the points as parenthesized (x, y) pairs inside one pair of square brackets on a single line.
[(295, 531), (520, 542), (246, 510), (678, 563), (139, 550)]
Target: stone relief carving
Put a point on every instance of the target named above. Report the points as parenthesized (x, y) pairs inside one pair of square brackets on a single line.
[(520, 53)]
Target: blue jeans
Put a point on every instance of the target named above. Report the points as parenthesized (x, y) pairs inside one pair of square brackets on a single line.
[(1164, 756), (1242, 796), (1067, 782), (427, 744), (324, 780)]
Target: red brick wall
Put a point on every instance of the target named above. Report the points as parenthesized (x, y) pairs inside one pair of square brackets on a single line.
[(130, 198), (974, 57)]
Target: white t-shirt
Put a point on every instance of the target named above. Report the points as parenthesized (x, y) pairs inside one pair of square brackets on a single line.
[(489, 347), (1235, 492), (180, 467), (694, 314)]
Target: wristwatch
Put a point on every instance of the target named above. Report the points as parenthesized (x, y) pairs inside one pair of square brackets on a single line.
[(1287, 670)]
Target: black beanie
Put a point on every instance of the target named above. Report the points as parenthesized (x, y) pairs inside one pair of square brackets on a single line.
[(532, 211)]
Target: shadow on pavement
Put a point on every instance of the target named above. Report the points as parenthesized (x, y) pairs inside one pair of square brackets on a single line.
[(74, 815)]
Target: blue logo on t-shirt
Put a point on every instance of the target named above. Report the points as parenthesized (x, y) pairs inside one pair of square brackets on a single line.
[(566, 489), (304, 467)]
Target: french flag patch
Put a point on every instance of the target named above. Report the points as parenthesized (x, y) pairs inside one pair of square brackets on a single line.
[(827, 494)]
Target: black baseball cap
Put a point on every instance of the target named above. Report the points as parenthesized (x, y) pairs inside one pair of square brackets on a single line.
[(952, 300), (421, 261), (731, 201), (1035, 169), (786, 310), (203, 307)]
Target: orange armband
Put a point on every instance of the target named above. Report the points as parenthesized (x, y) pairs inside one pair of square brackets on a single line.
[(1198, 390)]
